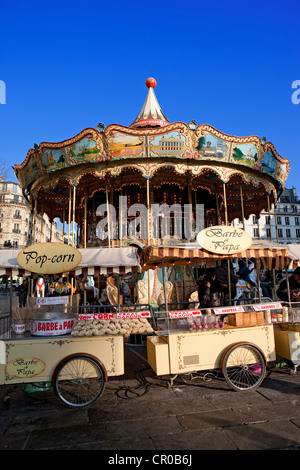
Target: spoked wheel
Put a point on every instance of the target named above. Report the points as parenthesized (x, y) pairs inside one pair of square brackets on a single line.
[(79, 380), (244, 366)]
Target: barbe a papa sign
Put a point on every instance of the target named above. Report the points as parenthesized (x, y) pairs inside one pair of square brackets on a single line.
[(224, 240)]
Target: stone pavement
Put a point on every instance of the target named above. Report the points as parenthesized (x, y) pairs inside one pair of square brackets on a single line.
[(140, 411)]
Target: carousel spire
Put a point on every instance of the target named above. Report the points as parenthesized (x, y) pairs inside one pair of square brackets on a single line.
[(151, 114)]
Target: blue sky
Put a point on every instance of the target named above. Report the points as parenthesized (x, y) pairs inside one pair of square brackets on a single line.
[(68, 65)]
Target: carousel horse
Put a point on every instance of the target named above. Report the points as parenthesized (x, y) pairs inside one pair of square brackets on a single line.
[(40, 287)]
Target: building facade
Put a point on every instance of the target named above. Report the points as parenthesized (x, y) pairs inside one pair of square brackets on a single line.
[(282, 225), (16, 220)]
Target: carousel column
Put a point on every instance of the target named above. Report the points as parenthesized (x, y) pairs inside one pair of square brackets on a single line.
[(73, 213), (218, 208), (108, 214), (243, 214), (33, 221), (148, 211), (270, 228), (242, 206), (84, 221), (149, 231), (111, 202), (69, 214), (42, 223), (226, 223), (64, 220)]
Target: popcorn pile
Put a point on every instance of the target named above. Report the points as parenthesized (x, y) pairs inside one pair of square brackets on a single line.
[(113, 326)]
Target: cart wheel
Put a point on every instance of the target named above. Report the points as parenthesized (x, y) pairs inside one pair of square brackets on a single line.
[(79, 380), (244, 366)]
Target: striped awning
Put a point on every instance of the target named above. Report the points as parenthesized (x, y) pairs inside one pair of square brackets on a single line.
[(95, 261), (9, 265), (268, 256)]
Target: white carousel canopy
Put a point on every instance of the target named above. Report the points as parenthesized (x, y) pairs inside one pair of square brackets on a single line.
[(94, 261)]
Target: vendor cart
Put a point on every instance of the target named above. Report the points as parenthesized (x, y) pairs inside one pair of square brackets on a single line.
[(287, 337), (76, 367), (238, 340), (44, 348)]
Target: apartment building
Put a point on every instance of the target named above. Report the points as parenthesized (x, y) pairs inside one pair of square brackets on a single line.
[(16, 220), (282, 225)]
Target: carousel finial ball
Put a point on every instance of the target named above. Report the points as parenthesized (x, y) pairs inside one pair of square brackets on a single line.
[(150, 82)]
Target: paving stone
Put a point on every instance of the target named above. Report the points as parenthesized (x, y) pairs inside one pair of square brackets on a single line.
[(65, 437), (129, 443), (16, 441), (266, 412), (144, 427), (179, 406), (277, 391), (47, 420), (226, 400), (209, 439), (129, 410), (271, 435), (208, 419)]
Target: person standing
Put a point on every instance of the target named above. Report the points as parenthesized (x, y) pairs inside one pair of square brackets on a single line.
[(209, 290), (294, 284), (23, 293)]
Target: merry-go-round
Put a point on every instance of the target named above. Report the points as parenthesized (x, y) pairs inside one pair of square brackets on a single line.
[(132, 201)]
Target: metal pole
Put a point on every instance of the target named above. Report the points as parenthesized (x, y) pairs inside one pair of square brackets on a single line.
[(108, 214), (269, 211), (242, 206), (69, 215), (118, 292), (85, 214), (273, 270), (288, 286), (64, 220), (148, 210), (73, 218), (276, 225), (42, 223), (164, 285), (258, 279), (228, 261)]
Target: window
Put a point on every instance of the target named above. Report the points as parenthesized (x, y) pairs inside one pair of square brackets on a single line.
[(256, 232), (254, 219), (267, 219), (14, 188), (4, 186), (288, 233), (268, 232), (280, 232), (279, 220), (297, 232), (16, 228), (287, 221), (16, 198), (297, 221)]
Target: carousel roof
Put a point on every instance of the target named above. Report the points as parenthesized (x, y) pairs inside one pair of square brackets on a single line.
[(201, 158), (151, 114)]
